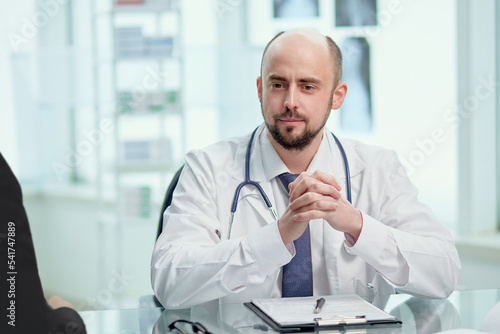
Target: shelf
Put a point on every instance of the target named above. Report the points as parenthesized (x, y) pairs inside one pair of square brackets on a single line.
[(102, 61), (110, 219), (140, 221), (135, 9), (485, 246), (138, 74), (152, 8), (165, 112), (141, 166), (84, 192), (145, 58)]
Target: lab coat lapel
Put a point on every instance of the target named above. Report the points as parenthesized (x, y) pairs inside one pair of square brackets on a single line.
[(250, 204), (332, 241), (356, 167), (332, 164), (337, 265), (336, 165)]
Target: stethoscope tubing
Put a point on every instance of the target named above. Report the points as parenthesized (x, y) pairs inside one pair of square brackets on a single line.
[(249, 182), (346, 169)]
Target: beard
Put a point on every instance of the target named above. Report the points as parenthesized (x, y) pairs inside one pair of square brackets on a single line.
[(285, 138)]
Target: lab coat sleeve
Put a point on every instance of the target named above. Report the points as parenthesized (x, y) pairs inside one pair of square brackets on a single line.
[(192, 263), (405, 243)]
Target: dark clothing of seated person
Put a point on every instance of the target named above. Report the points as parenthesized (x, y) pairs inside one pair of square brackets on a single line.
[(23, 303)]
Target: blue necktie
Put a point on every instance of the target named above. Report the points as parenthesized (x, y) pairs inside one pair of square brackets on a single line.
[(297, 274)]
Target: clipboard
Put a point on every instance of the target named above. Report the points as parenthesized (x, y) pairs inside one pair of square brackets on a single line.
[(293, 315)]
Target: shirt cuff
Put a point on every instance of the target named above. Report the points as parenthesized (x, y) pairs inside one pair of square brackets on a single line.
[(268, 249), (371, 241)]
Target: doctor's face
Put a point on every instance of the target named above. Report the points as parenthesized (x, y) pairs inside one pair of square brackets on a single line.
[(296, 89)]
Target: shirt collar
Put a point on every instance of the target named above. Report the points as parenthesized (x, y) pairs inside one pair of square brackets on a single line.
[(323, 159), (273, 165), (327, 157)]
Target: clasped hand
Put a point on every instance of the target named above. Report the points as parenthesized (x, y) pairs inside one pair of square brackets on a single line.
[(317, 196)]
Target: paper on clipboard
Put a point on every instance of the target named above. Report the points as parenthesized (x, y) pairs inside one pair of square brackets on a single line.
[(300, 311)]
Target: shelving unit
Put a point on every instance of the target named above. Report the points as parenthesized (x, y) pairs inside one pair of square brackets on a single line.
[(138, 72)]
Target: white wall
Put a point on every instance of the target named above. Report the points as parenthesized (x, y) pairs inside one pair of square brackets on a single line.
[(414, 85), (477, 115), (14, 39)]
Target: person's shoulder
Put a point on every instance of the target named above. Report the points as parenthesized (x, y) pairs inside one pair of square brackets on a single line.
[(374, 159), (367, 152), (220, 149)]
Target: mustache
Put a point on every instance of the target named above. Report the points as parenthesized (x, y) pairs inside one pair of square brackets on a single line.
[(289, 113)]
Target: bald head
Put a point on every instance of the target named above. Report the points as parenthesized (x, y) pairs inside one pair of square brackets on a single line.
[(303, 38)]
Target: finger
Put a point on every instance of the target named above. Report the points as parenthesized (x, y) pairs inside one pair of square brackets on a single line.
[(308, 215), (290, 229), (318, 175), (304, 200), (326, 178), (301, 177), (309, 184), (318, 200)]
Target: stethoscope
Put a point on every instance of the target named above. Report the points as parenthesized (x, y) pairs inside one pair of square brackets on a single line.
[(262, 192)]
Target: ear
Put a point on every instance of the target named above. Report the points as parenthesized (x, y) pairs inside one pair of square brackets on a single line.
[(339, 95), (259, 88)]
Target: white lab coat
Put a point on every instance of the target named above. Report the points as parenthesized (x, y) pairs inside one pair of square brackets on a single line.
[(402, 246)]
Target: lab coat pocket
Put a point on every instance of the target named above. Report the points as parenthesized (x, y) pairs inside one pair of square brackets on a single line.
[(251, 214), (366, 290)]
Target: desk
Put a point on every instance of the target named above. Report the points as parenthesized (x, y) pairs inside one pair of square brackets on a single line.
[(463, 309)]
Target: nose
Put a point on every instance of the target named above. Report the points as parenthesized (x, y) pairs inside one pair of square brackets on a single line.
[(291, 98)]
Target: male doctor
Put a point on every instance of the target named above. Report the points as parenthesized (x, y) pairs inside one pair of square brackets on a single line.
[(321, 244)]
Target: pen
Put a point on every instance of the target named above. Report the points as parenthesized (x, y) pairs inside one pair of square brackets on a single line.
[(319, 305)]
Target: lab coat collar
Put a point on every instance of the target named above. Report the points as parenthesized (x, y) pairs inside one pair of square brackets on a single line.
[(273, 165), (264, 170), (333, 164), (257, 174), (255, 159), (356, 164)]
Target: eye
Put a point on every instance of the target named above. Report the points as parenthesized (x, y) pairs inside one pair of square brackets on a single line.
[(308, 87), (277, 85)]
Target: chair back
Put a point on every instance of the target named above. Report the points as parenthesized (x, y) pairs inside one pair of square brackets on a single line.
[(168, 199)]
